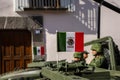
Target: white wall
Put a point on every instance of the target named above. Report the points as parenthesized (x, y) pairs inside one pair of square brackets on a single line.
[(70, 22), (114, 2), (7, 8), (83, 19), (110, 24)]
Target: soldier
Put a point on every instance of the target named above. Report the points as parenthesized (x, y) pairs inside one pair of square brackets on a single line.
[(85, 54), (78, 57), (99, 60), (78, 63)]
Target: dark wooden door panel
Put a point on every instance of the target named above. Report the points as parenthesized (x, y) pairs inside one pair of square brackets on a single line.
[(6, 66), (15, 49), (26, 62), (16, 64)]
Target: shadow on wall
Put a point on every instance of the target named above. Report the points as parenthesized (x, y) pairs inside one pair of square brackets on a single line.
[(83, 19)]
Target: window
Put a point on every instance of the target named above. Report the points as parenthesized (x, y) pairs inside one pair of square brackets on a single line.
[(117, 55), (21, 5), (105, 51)]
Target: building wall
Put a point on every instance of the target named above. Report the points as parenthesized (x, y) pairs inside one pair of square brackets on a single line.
[(69, 22), (110, 24), (7, 8), (83, 19)]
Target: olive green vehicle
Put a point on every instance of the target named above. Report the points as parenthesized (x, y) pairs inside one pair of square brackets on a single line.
[(62, 70)]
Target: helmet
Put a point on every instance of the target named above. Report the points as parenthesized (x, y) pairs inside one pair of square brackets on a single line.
[(97, 47), (78, 55)]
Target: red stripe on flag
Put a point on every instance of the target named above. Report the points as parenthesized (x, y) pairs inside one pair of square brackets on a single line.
[(42, 50), (79, 41)]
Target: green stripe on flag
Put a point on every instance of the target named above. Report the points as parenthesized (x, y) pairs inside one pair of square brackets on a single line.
[(35, 50), (61, 41)]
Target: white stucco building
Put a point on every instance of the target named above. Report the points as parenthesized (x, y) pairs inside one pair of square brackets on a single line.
[(69, 16)]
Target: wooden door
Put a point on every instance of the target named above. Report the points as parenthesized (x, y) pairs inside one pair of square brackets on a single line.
[(15, 49)]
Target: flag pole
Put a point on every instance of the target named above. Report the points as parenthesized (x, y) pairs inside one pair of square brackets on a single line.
[(56, 49)]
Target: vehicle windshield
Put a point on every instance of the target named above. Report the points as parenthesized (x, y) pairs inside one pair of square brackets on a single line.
[(105, 51), (108, 47), (117, 55)]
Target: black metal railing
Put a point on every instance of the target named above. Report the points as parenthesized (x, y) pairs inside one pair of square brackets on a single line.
[(44, 4)]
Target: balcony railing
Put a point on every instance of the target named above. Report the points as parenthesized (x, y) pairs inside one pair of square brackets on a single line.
[(42, 4)]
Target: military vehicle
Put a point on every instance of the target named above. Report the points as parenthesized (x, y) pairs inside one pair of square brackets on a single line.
[(62, 70)]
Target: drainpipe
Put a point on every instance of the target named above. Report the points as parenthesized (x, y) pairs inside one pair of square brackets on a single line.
[(99, 19), (99, 16)]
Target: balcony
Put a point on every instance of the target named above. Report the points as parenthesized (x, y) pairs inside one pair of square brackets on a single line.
[(24, 5)]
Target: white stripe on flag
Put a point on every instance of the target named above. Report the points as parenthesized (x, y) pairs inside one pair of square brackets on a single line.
[(38, 50), (70, 41)]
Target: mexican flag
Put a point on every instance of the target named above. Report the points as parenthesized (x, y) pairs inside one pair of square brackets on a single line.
[(38, 50), (70, 41)]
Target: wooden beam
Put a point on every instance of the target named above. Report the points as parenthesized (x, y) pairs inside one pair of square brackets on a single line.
[(108, 5)]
